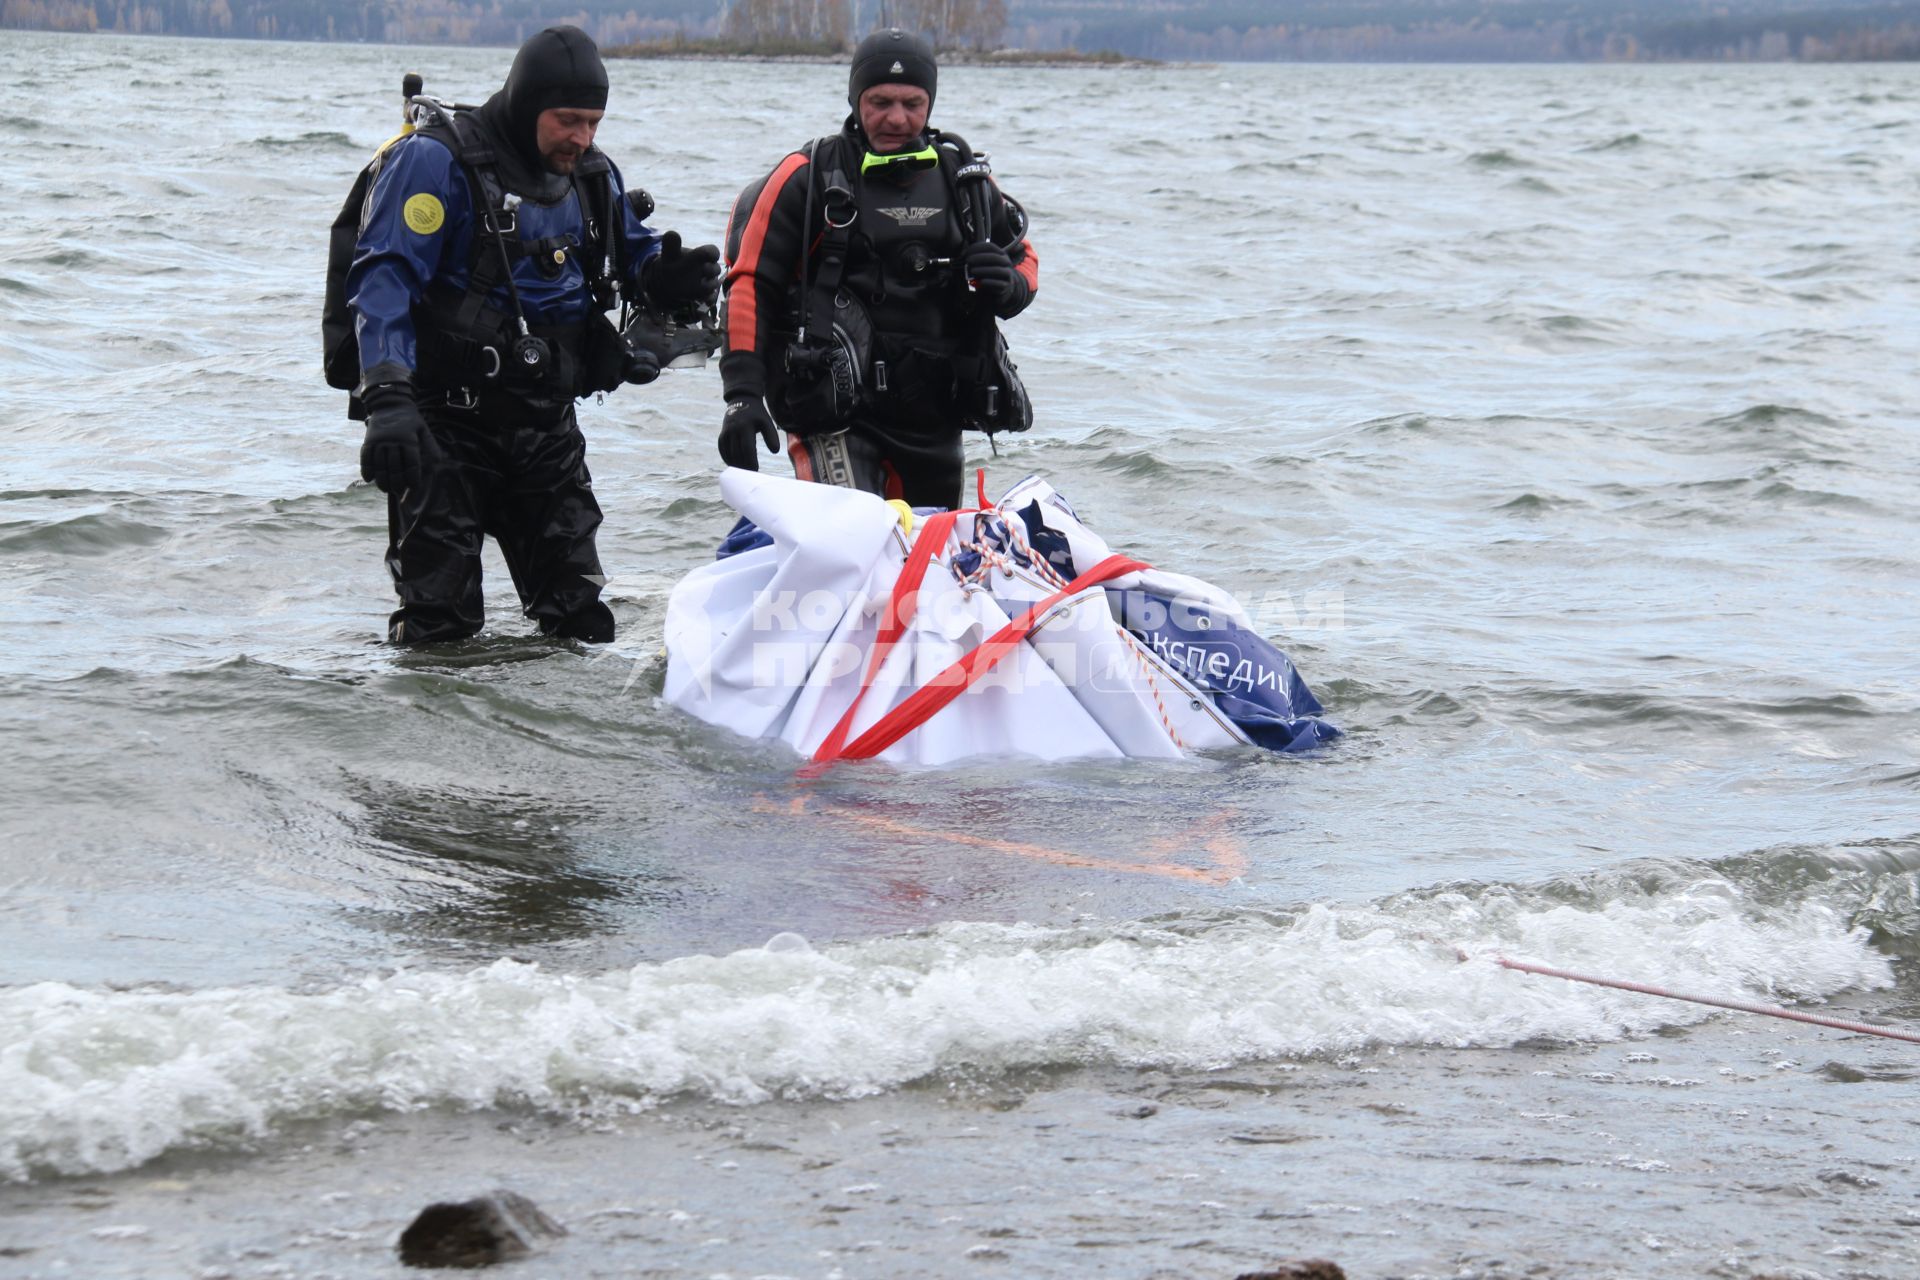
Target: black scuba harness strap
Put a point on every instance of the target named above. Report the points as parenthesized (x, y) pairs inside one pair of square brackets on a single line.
[(967, 186), (836, 239), (981, 382), (496, 241), (493, 221), (600, 217)]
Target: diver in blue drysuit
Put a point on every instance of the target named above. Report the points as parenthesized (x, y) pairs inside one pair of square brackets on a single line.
[(490, 248)]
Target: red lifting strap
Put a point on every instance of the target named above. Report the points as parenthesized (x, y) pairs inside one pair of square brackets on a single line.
[(901, 606), (923, 703)]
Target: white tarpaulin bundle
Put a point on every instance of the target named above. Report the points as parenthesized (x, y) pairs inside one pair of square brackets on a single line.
[(846, 626)]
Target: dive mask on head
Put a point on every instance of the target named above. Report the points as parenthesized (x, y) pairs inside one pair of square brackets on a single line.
[(900, 162)]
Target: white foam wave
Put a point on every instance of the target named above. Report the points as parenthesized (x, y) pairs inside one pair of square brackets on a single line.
[(104, 1080)]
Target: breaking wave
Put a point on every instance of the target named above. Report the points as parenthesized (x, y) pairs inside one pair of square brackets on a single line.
[(103, 1080)]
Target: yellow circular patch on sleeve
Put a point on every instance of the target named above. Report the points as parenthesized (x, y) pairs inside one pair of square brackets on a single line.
[(424, 213)]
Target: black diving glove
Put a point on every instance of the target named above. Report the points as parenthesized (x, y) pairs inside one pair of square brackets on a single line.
[(992, 273), (746, 416), (390, 457), (643, 365), (678, 276)]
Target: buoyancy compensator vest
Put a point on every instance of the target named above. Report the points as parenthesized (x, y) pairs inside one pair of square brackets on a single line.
[(468, 338), (882, 323)]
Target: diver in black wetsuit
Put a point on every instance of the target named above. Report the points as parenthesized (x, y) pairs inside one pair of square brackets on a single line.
[(865, 276)]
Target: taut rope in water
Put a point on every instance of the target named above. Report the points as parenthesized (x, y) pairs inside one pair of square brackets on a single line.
[(1768, 1010)]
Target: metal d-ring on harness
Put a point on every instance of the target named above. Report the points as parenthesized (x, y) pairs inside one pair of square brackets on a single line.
[(839, 213), (821, 348), (531, 353), (838, 197)]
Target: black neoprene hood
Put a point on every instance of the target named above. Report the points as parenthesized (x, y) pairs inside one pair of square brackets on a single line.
[(892, 57), (559, 67)]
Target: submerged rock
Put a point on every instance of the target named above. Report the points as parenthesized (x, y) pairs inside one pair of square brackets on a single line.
[(1298, 1269), (476, 1233)]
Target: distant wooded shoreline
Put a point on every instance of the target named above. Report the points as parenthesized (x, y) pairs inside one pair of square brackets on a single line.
[(697, 50)]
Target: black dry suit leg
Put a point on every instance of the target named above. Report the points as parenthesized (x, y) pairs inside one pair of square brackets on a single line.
[(529, 489), (922, 469), (928, 468)]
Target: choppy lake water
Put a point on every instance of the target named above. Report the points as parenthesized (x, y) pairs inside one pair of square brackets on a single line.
[(1559, 421)]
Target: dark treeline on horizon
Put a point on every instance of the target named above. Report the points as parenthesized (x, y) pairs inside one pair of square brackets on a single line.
[(1257, 30), (1477, 30)]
